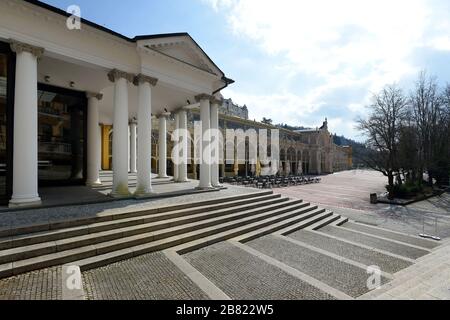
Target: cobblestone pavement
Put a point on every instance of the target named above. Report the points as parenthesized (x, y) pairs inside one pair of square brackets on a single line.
[(147, 277), (365, 256), (345, 277), (243, 276), (347, 193), (43, 284)]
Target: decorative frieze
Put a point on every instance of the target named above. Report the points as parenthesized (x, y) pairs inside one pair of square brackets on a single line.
[(19, 47), (142, 78), (115, 75)]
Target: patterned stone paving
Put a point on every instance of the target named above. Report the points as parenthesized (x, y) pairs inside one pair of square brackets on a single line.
[(147, 277), (345, 277), (382, 244), (45, 284), (243, 276), (350, 251)]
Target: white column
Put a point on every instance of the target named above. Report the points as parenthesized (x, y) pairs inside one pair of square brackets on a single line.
[(94, 140), (215, 143), (175, 159), (182, 168), (120, 133), (133, 131), (129, 149), (25, 159), (144, 163), (205, 165), (162, 144)]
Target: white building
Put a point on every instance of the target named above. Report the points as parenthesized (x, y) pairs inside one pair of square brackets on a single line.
[(57, 85)]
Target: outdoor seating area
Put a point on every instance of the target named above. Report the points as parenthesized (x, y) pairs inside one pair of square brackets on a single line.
[(269, 182)]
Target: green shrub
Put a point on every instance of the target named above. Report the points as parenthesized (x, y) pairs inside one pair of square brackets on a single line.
[(406, 190)]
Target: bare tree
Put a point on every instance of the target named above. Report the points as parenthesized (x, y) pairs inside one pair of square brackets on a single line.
[(382, 128), (426, 105)]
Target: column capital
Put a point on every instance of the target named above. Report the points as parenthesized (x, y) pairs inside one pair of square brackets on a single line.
[(214, 100), (19, 47), (133, 122), (98, 96), (204, 96), (116, 74), (183, 109), (164, 115), (142, 78)]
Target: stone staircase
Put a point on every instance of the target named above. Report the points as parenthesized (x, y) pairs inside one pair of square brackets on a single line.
[(110, 237), (325, 256)]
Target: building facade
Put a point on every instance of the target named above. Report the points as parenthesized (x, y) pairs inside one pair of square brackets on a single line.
[(68, 93), (74, 101)]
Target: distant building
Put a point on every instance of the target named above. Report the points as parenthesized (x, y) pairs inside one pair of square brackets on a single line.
[(229, 108), (307, 151)]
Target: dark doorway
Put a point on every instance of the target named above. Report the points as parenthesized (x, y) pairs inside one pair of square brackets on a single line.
[(7, 71), (62, 136)]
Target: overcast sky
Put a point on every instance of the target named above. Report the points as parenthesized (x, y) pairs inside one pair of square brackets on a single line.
[(297, 61)]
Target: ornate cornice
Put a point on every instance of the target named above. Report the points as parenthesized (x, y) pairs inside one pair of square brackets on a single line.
[(98, 96), (142, 78), (19, 47), (115, 75), (204, 96)]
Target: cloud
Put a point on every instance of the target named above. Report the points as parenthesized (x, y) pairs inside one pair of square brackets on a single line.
[(344, 44)]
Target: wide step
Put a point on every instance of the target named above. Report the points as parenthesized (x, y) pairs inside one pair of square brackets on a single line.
[(115, 250), (55, 224), (159, 220)]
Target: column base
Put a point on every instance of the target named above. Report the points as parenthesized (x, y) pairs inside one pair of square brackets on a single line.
[(205, 188), (144, 194), (163, 177), (27, 202), (97, 183), (120, 195), (218, 186)]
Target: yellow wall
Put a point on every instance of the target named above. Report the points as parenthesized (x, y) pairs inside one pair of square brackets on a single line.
[(105, 147)]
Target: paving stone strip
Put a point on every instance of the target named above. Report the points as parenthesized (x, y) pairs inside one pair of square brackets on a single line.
[(243, 276), (391, 235), (383, 244), (345, 277), (366, 256)]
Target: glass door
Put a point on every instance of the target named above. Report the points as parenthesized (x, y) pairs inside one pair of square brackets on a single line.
[(62, 136)]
